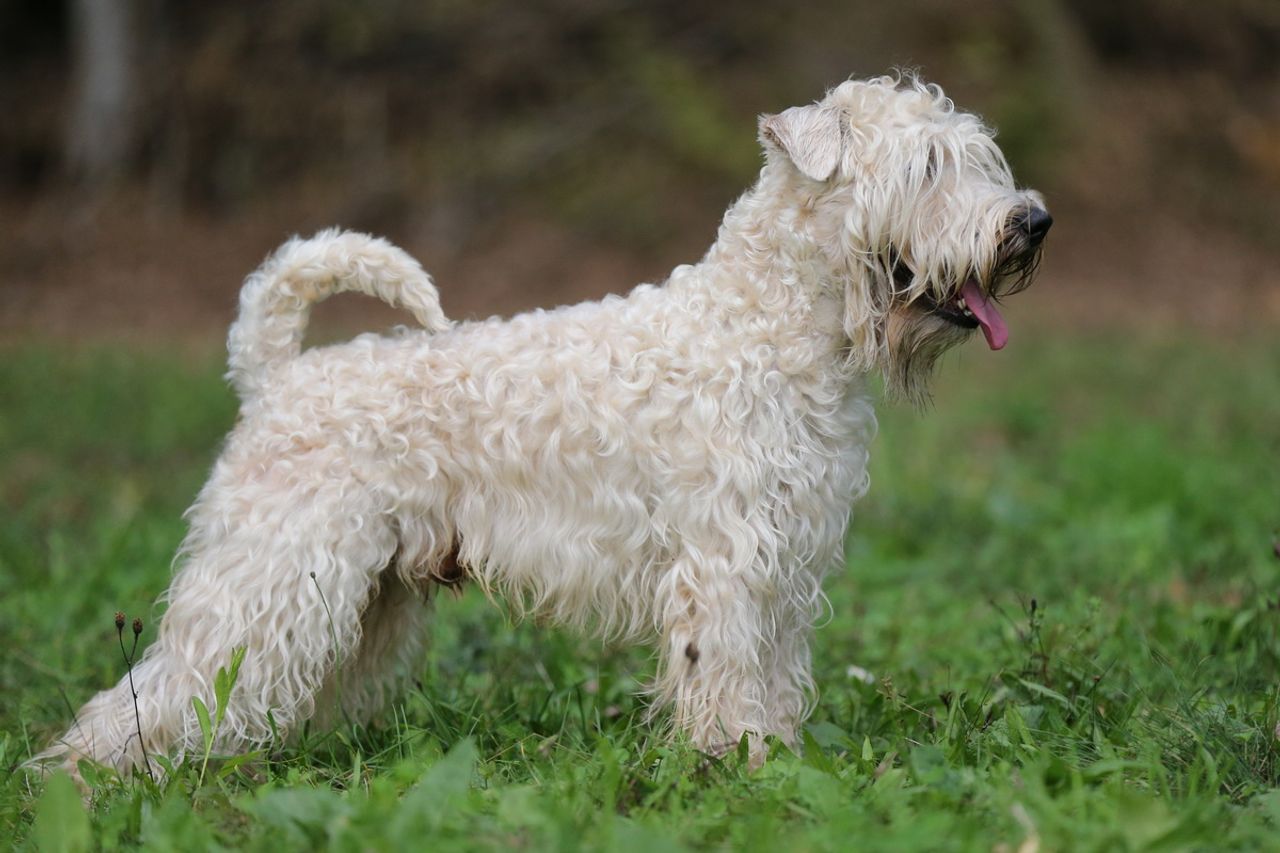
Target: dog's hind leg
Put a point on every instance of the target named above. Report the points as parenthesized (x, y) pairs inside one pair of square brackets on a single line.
[(392, 643), (393, 633), (280, 566)]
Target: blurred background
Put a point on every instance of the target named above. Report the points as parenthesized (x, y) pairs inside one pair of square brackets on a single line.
[(152, 151), (1088, 516)]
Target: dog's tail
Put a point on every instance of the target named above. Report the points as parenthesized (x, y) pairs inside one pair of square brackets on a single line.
[(276, 299)]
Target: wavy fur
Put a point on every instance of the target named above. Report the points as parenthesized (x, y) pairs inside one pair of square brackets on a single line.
[(676, 465)]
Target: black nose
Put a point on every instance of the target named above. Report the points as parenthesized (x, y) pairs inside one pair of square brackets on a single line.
[(1035, 223)]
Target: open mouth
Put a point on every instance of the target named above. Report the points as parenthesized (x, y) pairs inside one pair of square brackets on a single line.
[(972, 306), (969, 309)]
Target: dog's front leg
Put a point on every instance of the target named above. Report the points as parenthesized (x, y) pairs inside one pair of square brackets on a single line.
[(715, 668), (790, 690)]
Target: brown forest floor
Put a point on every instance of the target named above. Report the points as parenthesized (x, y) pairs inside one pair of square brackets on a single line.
[(124, 274)]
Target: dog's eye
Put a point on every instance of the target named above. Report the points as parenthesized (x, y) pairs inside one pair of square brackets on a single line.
[(900, 270)]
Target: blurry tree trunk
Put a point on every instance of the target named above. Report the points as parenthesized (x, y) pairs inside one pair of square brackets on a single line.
[(101, 124)]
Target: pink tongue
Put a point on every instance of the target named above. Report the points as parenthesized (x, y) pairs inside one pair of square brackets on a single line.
[(992, 323)]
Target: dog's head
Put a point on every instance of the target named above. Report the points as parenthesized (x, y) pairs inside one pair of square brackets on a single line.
[(912, 206)]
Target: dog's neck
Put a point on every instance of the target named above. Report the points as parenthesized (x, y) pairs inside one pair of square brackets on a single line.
[(767, 259)]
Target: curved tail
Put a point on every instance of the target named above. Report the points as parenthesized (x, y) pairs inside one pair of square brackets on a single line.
[(276, 299)]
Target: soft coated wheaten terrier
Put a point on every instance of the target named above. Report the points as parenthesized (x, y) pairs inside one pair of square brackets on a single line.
[(677, 464)]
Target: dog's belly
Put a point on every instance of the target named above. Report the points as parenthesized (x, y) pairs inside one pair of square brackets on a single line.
[(565, 509), (580, 519)]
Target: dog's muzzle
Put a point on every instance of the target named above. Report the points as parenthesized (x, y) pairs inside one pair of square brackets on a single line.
[(971, 305)]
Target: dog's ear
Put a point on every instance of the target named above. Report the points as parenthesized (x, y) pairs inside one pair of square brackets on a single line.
[(812, 137)]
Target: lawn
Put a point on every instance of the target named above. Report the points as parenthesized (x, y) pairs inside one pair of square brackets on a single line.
[(1057, 631)]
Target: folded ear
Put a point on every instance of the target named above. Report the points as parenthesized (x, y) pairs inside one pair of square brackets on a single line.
[(812, 137)]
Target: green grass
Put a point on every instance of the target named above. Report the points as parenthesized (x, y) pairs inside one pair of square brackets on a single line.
[(1062, 579)]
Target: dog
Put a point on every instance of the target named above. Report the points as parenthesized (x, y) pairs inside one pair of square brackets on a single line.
[(674, 466)]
